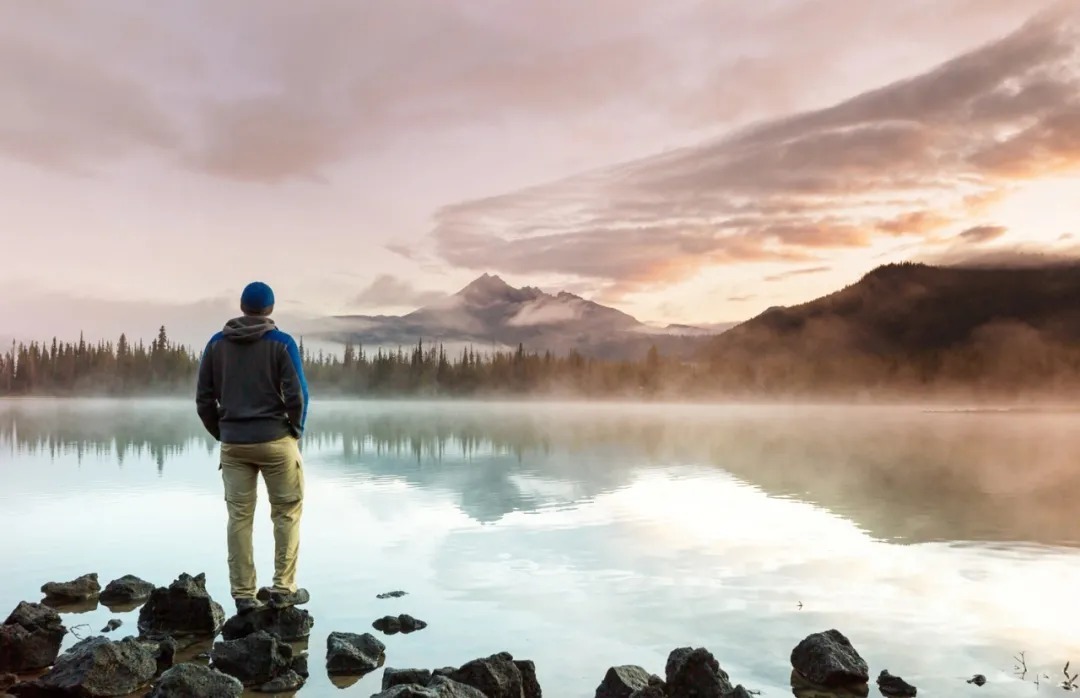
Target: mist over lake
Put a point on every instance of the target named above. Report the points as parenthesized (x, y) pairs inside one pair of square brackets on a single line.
[(941, 542)]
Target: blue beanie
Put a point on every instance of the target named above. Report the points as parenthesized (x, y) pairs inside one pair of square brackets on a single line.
[(257, 299)]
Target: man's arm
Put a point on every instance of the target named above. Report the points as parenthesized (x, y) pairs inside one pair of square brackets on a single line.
[(294, 386), (206, 402)]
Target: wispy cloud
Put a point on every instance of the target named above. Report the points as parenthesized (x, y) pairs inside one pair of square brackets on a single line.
[(982, 233), (905, 160), (797, 272), (390, 291)]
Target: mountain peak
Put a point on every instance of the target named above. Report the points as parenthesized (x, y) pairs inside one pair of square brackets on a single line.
[(487, 285)]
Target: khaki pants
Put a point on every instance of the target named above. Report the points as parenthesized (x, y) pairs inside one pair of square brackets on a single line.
[(282, 469)]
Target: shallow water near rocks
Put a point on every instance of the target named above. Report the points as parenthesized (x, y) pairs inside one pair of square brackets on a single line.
[(582, 536)]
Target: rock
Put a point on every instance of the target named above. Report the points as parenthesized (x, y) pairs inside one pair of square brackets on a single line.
[(290, 624), (390, 595), (440, 687), (98, 667), (195, 681), (496, 676), (695, 672), (530, 686), (112, 625), (739, 692), (827, 659), (128, 589), (398, 677), (81, 589), (404, 623), (300, 664), (621, 681), (182, 608), (289, 681), (352, 654), (655, 689), (978, 680), (164, 651), (30, 638), (894, 685), (9, 680), (255, 660)]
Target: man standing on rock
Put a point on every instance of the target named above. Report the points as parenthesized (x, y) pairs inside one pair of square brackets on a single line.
[(253, 398)]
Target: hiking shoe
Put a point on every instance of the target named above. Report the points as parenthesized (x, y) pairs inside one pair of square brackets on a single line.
[(247, 606), (281, 599)]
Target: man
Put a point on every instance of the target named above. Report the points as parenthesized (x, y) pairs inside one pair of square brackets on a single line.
[(253, 398)]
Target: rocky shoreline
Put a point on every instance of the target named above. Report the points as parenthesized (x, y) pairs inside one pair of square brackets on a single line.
[(254, 653)]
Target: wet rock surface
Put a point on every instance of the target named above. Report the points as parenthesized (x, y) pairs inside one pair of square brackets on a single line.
[(95, 668), (438, 687), (891, 685), (287, 682), (353, 655), (30, 638), (112, 625), (622, 681), (182, 608), (496, 676), (392, 625), (82, 588), (828, 659), (695, 672), (290, 623), (398, 677), (195, 681), (128, 589), (254, 660)]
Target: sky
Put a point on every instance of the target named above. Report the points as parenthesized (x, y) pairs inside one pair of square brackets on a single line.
[(690, 161)]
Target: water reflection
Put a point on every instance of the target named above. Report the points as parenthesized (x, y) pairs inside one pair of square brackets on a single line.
[(900, 475)]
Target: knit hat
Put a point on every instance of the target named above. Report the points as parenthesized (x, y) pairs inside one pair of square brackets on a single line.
[(257, 299)]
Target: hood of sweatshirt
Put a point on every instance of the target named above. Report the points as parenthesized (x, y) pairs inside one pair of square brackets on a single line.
[(247, 328)]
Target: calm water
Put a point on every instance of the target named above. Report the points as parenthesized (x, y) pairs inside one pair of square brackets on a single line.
[(584, 536)]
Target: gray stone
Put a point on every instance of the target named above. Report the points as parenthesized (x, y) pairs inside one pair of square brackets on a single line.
[(695, 672), (98, 667), (285, 683), (112, 625), (255, 660), (349, 654), (195, 681), (80, 589), (496, 676), (827, 659), (895, 686), (182, 608), (396, 677), (30, 638), (289, 623), (440, 687), (622, 681), (392, 625), (390, 595), (530, 686), (128, 589)]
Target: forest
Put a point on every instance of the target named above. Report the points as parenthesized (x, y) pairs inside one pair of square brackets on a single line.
[(167, 368)]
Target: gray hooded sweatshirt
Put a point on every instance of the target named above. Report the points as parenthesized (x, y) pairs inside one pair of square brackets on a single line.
[(251, 386)]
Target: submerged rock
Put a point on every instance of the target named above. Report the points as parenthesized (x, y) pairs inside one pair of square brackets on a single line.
[(978, 680), (438, 687), (397, 677), (287, 682), (96, 668), (128, 589), (390, 595), (352, 654), (255, 660), (827, 659), (30, 638), (496, 676), (81, 589), (289, 623), (622, 681), (182, 608), (695, 672), (894, 685), (112, 625), (195, 681), (391, 625)]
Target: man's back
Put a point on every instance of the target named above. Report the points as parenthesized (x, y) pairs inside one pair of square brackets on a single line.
[(251, 385)]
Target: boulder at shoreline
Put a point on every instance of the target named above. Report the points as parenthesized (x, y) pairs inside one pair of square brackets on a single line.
[(828, 659), (126, 590), (183, 608), (80, 589), (349, 654), (30, 638), (289, 624)]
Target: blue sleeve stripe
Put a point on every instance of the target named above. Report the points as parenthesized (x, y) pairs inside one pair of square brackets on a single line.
[(294, 355)]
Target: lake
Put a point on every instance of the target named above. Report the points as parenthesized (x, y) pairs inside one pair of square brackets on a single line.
[(942, 543)]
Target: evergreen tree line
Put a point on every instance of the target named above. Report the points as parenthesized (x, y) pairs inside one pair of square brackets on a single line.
[(165, 367)]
